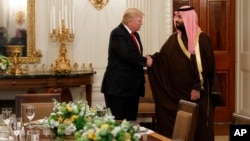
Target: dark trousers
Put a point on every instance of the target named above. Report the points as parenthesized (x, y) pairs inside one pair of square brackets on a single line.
[(123, 107)]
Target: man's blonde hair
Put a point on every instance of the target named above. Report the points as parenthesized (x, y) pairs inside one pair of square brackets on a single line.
[(130, 14)]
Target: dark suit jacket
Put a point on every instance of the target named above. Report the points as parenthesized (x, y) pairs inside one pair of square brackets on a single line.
[(124, 74)]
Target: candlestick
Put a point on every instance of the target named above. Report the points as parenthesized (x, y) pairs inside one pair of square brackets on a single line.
[(72, 15), (70, 23), (62, 9), (54, 16), (51, 21), (62, 31), (73, 21), (60, 20), (66, 17), (62, 35)]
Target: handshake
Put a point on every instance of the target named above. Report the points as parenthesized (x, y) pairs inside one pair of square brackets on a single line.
[(149, 60)]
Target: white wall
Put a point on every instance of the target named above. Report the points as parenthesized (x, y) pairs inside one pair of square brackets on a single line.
[(242, 57), (92, 29)]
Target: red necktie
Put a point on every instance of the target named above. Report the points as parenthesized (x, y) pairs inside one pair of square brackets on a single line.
[(135, 41)]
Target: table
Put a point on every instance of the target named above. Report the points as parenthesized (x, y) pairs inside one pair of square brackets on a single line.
[(157, 137), (49, 80), (152, 136)]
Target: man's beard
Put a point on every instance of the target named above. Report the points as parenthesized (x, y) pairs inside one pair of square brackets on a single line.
[(180, 26)]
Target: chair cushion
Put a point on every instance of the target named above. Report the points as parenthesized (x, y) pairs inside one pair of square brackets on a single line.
[(182, 126), (192, 108)]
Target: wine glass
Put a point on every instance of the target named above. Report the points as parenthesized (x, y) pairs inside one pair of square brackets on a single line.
[(16, 126), (30, 113), (101, 111), (6, 114)]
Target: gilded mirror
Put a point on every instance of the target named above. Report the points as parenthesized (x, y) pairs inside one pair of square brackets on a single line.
[(14, 24)]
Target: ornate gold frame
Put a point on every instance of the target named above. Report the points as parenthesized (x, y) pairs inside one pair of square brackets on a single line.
[(33, 54)]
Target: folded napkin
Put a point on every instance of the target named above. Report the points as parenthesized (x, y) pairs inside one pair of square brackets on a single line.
[(37, 122), (144, 130)]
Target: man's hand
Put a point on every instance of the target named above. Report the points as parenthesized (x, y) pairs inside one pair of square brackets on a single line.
[(149, 60), (195, 94)]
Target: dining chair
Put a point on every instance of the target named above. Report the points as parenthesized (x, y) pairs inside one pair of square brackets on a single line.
[(146, 108), (240, 119), (185, 121), (34, 98), (42, 110), (182, 126)]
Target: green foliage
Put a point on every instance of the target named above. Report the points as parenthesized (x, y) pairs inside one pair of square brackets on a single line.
[(4, 63)]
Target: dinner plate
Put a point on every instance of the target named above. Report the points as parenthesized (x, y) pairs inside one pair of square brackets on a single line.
[(4, 136), (4, 139)]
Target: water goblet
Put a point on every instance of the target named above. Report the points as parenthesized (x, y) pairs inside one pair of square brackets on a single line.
[(6, 114), (101, 111), (33, 135), (16, 126), (30, 113)]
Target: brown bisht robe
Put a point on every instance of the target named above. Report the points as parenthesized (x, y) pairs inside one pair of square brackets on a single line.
[(172, 77)]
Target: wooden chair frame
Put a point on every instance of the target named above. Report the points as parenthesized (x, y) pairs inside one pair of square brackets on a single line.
[(239, 119)]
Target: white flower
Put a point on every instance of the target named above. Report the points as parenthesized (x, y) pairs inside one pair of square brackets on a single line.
[(75, 109), (70, 129), (137, 136), (125, 125), (115, 131), (4, 62), (53, 123)]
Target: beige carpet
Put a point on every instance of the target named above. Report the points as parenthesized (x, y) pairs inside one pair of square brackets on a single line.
[(221, 138)]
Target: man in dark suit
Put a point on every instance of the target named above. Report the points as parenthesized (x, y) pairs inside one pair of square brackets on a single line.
[(123, 81)]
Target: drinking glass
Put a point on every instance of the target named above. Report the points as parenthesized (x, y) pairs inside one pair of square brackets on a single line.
[(6, 114), (101, 111), (16, 126), (33, 135), (30, 113)]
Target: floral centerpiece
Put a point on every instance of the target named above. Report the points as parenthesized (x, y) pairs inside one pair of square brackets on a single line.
[(107, 129), (85, 124), (4, 63)]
